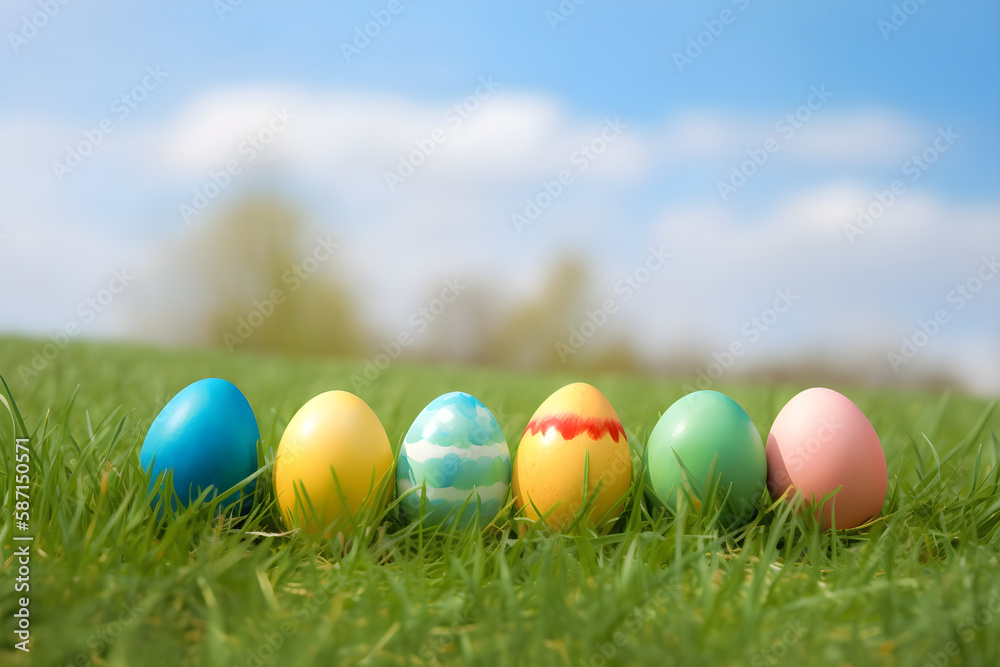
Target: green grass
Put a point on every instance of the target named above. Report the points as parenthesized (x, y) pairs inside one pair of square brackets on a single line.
[(110, 586)]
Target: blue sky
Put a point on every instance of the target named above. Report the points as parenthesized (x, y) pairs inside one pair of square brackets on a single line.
[(605, 58), (940, 67), (558, 85)]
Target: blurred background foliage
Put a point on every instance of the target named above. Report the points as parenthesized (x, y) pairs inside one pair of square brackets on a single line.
[(258, 246)]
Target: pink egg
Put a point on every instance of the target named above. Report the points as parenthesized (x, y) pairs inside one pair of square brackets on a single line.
[(821, 442)]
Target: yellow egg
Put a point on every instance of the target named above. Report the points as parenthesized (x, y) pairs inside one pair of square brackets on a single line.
[(336, 450), (575, 428)]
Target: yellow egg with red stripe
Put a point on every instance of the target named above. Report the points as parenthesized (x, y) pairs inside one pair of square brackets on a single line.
[(333, 464), (573, 456)]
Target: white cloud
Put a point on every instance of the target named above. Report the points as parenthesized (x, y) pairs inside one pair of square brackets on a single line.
[(829, 138), (868, 137), (511, 137), (856, 300), (355, 138)]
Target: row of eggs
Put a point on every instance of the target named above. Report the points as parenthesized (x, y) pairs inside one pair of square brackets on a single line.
[(573, 462)]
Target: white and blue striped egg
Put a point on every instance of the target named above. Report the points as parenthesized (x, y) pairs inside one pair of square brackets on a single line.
[(456, 460)]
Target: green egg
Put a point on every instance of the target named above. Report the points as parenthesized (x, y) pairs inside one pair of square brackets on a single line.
[(699, 428)]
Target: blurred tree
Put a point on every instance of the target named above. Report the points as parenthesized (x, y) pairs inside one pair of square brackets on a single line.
[(255, 279), (273, 285), (476, 328), (473, 330), (462, 332), (527, 339)]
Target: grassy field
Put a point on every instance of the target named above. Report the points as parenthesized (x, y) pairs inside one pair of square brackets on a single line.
[(919, 586)]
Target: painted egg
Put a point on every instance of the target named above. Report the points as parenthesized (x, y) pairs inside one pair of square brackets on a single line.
[(821, 443), (333, 459), (573, 431), (456, 453), (206, 437), (703, 429)]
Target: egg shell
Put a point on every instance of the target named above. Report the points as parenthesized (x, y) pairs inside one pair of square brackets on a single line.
[(699, 428), (455, 451), (574, 423), (821, 441), (336, 450), (206, 436)]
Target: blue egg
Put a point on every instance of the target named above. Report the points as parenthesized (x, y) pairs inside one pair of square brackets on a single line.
[(207, 436), (455, 453)]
